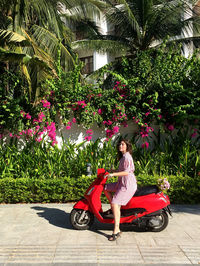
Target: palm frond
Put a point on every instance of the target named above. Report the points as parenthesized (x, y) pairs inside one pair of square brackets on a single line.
[(9, 37), (82, 9), (125, 7), (11, 56), (6, 55), (50, 43), (113, 47)]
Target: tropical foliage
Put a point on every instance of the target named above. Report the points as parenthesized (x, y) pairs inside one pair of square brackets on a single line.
[(32, 31), (152, 86), (157, 86), (140, 25), (67, 189), (42, 173)]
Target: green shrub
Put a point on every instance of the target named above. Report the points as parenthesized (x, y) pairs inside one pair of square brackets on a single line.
[(66, 189), (183, 189), (26, 190)]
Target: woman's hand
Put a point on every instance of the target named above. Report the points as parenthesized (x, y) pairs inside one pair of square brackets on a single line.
[(109, 175)]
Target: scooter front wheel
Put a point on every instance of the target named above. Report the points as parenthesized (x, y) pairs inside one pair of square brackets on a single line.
[(81, 220)]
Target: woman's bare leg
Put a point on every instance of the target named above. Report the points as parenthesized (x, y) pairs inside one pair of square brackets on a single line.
[(108, 196), (116, 213)]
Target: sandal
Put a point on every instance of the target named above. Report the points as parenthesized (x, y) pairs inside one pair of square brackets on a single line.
[(114, 237)]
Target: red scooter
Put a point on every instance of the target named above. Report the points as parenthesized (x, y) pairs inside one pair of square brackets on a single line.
[(147, 209)]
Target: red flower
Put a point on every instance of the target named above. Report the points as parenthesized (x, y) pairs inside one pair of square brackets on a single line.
[(145, 145)]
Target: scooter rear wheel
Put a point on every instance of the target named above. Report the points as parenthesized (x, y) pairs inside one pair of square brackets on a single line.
[(162, 220), (80, 220)]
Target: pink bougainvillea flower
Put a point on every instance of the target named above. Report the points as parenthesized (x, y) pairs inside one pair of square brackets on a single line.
[(52, 135), (82, 103), (52, 131), (40, 117), (69, 123), (145, 145), (144, 134), (99, 111), (54, 142), (115, 129), (74, 120), (28, 116), (22, 113), (41, 133), (88, 138), (35, 121), (170, 127), (124, 124), (68, 127), (109, 122), (11, 135), (89, 132), (46, 104), (38, 139), (160, 116), (147, 113), (194, 134), (109, 133), (29, 132)]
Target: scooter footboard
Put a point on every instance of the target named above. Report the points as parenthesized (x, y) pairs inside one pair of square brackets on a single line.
[(83, 205)]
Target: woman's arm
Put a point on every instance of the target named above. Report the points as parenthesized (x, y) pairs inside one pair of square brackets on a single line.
[(124, 173)]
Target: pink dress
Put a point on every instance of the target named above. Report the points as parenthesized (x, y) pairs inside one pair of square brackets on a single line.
[(126, 186)]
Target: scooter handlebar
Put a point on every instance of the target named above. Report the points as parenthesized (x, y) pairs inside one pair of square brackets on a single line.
[(102, 173)]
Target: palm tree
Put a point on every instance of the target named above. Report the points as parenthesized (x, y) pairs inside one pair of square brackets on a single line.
[(32, 30), (141, 24)]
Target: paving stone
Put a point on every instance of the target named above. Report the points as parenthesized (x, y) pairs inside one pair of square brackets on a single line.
[(41, 234)]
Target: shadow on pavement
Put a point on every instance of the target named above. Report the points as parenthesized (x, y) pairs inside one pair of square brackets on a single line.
[(124, 227), (60, 218), (54, 216)]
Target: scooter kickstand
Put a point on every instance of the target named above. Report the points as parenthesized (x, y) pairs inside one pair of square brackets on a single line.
[(82, 216)]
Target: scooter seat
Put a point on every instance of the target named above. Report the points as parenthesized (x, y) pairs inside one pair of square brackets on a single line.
[(142, 191)]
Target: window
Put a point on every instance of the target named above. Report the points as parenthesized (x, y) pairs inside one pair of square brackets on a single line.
[(88, 64)]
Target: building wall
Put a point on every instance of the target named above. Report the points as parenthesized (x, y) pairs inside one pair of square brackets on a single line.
[(77, 133)]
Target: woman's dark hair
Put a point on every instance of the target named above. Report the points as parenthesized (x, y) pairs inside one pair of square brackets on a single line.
[(129, 147)]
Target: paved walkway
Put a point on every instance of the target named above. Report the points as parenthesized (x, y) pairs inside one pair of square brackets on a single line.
[(40, 234)]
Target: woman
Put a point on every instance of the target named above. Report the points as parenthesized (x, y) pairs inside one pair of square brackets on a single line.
[(124, 188)]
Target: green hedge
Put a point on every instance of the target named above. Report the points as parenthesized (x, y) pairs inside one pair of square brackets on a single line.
[(26, 190), (183, 189)]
